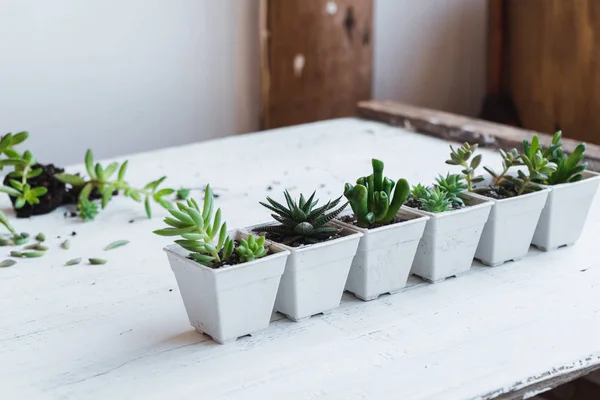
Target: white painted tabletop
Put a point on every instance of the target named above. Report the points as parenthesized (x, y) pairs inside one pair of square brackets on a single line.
[(120, 331)]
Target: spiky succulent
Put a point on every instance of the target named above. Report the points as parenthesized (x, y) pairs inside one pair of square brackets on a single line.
[(204, 236), (419, 192), (371, 199), (100, 182), (462, 157), (251, 249), (301, 221), (453, 185), (436, 201), (568, 168)]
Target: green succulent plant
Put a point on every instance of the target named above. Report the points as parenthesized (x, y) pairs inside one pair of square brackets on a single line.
[(251, 249), (371, 199), (202, 233), (4, 221), (538, 167), (462, 157), (24, 169), (87, 210), (434, 200), (100, 182), (453, 185), (420, 192), (568, 168), (301, 221)]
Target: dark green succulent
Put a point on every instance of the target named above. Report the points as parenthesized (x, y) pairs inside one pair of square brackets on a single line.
[(419, 192), (251, 249), (568, 168), (453, 185), (301, 221), (539, 168), (204, 236), (436, 201), (100, 182), (371, 199), (462, 157)]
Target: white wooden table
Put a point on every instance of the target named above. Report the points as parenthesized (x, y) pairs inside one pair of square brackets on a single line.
[(120, 331)]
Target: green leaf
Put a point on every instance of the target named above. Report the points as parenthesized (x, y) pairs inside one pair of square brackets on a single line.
[(99, 172), (89, 164), (112, 167), (115, 244), (174, 231), (7, 263), (85, 192), (10, 191), (135, 195), (34, 173), (74, 261), (106, 195), (20, 202), (154, 184), (19, 138), (97, 261), (147, 207), (39, 191), (123, 170), (10, 153), (164, 192)]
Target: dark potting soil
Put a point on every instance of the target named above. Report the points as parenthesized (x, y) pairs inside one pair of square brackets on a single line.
[(497, 192), (233, 260), (295, 243), (48, 202), (352, 220)]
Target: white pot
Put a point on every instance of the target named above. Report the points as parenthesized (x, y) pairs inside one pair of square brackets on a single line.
[(450, 240), (384, 257), (315, 275), (565, 212), (228, 302), (508, 232)]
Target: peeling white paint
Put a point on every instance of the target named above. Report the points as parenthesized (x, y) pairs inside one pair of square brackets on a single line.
[(299, 62), (331, 7)]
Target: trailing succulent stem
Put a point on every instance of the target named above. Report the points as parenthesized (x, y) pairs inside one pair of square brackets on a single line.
[(462, 157), (24, 169), (371, 198), (100, 182), (300, 221)]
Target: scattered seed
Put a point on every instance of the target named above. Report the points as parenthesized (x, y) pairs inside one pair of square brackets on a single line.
[(33, 254), (15, 253), (116, 244), (19, 240), (74, 261), (40, 237), (66, 244), (37, 246), (5, 242), (97, 261), (7, 263)]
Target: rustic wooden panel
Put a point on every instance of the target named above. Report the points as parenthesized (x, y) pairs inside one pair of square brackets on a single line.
[(459, 128), (317, 59), (555, 65)]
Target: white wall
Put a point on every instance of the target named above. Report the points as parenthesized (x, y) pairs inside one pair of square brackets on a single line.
[(121, 76), (126, 75), (431, 53)]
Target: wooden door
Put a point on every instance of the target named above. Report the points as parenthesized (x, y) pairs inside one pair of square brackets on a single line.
[(317, 59)]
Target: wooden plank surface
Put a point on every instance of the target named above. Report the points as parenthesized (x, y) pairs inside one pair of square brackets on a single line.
[(462, 129), (317, 59), (554, 71), (120, 331)]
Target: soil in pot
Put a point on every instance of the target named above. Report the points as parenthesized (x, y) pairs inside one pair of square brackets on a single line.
[(233, 260), (352, 220), (48, 202), (290, 241)]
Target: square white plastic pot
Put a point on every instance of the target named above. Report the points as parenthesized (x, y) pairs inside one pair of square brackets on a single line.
[(508, 232), (566, 210), (315, 276), (232, 301), (450, 240), (385, 255)]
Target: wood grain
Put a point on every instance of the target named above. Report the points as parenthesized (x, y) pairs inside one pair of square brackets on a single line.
[(335, 48), (459, 128), (555, 65)]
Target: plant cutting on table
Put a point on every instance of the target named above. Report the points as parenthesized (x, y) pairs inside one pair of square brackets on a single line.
[(228, 284), (321, 253), (390, 234)]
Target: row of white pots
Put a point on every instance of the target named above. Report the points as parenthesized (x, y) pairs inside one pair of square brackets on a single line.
[(300, 282)]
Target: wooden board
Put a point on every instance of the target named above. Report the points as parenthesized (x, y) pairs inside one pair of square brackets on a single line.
[(462, 129), (554, 70), (316, 59), (120, 331)]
